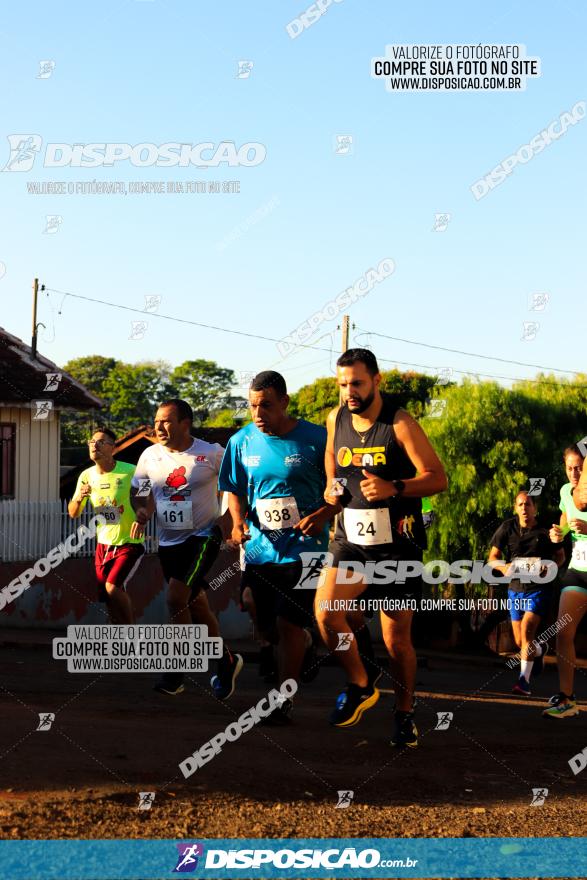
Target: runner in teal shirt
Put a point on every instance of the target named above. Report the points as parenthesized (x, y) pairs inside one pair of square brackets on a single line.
[(273, 472)]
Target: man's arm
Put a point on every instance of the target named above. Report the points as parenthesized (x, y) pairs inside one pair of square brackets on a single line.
[(330, 462), (78, 502), (579, 494), (495, 555), (559, 557), (237, 508), (143, 505), (431, 478)]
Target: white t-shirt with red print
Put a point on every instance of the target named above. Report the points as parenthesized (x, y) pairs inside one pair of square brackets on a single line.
[(184, 487)]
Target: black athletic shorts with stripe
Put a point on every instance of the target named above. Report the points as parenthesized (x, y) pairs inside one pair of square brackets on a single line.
[(189, 561)]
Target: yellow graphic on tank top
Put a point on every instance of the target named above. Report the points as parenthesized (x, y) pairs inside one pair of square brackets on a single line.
[(361, 456)]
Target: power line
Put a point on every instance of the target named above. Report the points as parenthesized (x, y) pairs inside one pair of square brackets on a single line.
[(103, 302), (174, 319), (484, 357)]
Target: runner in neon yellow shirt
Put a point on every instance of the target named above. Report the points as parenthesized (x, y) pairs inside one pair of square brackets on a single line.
[(120, 544)]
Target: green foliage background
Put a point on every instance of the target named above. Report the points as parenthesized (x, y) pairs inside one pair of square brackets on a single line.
[(491, 439)]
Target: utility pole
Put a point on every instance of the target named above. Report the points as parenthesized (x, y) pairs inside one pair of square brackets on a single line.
[(345, 344), (35, 297), (345, 333)]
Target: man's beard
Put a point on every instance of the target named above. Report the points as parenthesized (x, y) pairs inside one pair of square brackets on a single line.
[(364, 404)]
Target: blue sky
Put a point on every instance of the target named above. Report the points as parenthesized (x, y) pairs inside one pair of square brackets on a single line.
[(158, 71)]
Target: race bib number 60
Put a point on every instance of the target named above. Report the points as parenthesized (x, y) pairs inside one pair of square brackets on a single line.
[(368, 527), (110, 513), (277, 513)]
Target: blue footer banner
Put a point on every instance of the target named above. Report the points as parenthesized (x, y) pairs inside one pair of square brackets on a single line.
[(298, 857)]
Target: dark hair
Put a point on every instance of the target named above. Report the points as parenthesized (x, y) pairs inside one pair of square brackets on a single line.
[(269, 379), (107, 431), (359, 355), (573, 449), (184, 410)]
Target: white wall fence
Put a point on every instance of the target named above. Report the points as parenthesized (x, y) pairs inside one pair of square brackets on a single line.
[(29, 529)]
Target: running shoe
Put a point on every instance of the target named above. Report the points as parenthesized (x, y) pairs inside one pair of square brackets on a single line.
[(539, 661), (267, 664), (229, 666), (565, 707), (310, 664), (351, 704), (170, 683), (405, 732), (280, 716), (557, 698), (522, 687)]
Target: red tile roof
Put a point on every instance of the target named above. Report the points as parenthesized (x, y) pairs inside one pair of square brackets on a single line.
[(24, 378)]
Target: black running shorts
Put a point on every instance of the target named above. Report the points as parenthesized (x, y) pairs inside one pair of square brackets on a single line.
[(189, 561), (272, 586), (344, 551)]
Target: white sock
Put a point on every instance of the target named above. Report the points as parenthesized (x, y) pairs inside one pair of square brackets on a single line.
[(537, 649), (308, 638), (526, 668)]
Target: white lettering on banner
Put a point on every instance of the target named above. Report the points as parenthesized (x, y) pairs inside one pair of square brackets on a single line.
[(329, 859)]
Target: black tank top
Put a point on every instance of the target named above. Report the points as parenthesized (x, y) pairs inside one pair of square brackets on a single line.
[(378, 452)]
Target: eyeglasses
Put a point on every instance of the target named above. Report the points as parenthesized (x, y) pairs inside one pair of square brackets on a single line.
[(100, 443)]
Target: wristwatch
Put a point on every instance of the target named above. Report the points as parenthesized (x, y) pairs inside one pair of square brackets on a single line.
[(399, 486)]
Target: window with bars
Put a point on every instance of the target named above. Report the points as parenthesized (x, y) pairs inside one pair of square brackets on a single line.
[(7, 458)]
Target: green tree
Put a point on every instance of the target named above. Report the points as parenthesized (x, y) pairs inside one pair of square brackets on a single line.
[(492, 440), (134, 391), (314, 402), (92, 371)]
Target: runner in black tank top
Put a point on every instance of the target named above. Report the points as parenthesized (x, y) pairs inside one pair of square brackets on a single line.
[(378, 452), (379, 465)]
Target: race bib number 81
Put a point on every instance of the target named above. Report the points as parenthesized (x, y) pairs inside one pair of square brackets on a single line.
[(580, 555), (368, 527)]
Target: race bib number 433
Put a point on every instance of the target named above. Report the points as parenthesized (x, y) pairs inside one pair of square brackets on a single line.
[(277, 513), (369, 526), (526, 565)]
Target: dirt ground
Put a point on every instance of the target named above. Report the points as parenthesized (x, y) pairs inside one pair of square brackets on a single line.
[(113, 736)]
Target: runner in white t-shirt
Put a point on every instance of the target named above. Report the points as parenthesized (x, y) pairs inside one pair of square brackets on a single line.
[(177, 477)]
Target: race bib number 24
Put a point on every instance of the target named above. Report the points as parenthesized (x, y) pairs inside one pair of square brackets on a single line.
[(369, 526)]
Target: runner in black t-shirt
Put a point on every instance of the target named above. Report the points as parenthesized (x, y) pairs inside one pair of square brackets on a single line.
[(374, 451), (523, 542)]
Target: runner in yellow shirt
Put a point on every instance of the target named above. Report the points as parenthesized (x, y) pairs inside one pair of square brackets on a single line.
[(120, 544)]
